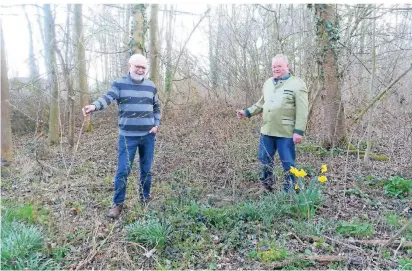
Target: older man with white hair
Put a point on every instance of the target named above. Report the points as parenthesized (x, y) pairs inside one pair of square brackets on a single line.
[(284, 105), (138, 119)]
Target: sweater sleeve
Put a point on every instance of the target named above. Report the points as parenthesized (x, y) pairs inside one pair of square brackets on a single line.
[(108, 98)]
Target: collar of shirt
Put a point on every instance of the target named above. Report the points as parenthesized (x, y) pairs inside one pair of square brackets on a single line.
[(276, 80)]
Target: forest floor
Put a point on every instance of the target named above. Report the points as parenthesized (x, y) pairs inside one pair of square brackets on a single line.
[(209, 211)]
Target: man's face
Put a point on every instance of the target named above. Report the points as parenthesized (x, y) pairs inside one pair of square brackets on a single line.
[(137, 69), (279, 68)]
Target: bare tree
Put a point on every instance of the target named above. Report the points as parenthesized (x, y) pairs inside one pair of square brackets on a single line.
[(371, 89), (34, 70), (154, 45), (67, 80), (6, 139), (50, 53), (81, 62), (126, 38)]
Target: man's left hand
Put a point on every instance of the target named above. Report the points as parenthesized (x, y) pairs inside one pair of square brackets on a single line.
[(153, 130), (297, 138)]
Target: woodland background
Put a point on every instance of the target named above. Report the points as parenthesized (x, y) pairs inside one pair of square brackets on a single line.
[(57, 167)]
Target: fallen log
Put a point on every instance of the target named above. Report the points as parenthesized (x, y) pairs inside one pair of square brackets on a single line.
[(318, 258)]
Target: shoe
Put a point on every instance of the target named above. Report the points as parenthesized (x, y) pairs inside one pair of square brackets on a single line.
[(144, 200), (115, 211), (267, 187)]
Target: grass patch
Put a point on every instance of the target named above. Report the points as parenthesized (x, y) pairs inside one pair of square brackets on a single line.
[(22, 243), (148, 231)]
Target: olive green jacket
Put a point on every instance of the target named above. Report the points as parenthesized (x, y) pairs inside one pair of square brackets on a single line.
[(284, 106)]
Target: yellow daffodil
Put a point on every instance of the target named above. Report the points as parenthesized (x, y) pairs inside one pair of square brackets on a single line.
[(301, 173), (296, 186), (322, 179), (323, 168), (293, 170)]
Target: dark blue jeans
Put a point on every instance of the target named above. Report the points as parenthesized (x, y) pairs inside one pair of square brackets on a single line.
[(268, 146), (128, 145)]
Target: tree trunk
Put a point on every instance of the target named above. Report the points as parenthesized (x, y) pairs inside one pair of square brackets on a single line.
[(50, 45), (126, 39), (371, 89), (333, 109), (168, 73), (138, 27), (34, 70), (67, 80), (6, 142), (154, 45), (81, 62)]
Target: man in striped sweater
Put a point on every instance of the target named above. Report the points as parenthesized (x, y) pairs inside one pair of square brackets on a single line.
[(138, 119)]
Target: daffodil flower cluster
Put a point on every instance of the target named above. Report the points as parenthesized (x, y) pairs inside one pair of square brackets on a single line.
[(301, 174)]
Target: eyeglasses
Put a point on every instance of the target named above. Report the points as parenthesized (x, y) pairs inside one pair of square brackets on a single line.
[(140, 67)]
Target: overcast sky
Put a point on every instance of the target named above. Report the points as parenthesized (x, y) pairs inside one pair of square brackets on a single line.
[(17, 38)]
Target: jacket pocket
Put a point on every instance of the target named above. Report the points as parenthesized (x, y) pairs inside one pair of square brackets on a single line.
[(288, 122), (288, 99)]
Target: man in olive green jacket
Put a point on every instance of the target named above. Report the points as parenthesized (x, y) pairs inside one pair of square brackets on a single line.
[(284, 105)]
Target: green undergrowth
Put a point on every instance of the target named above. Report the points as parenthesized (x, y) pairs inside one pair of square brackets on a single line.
[(23, 238)]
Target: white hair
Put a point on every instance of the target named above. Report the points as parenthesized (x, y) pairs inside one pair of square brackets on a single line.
[(285, 58), (138, 57)]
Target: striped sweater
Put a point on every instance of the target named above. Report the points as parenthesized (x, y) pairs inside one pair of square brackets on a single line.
[(138, 105)]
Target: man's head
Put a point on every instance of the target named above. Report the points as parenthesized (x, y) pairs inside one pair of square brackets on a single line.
[(280, 66), (138, 67)]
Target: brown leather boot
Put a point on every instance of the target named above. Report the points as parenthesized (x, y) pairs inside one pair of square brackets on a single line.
[(115, 211)]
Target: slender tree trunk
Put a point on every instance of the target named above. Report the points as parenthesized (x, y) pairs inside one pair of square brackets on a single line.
[(68, 83), (34, 70), (333, 111), (168, 73), (50, 45), (154, 45), (6, 139), (360, 68), (81, 62), (371, 89), (126, 39)]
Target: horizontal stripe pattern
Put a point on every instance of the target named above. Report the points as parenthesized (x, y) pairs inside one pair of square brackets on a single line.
[(135, 114), (135, 107), (135, 100), (138, 105)]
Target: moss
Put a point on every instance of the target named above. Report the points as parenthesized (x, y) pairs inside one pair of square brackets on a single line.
[(380, 157)]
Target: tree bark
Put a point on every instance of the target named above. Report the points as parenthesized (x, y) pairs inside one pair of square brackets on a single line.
[(138, 27), (333, 109), (6, 138)]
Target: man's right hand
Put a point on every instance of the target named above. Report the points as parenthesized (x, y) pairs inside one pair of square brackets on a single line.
[(88, 109), (240, 114)]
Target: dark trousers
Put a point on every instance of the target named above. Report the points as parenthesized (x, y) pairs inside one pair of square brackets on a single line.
[(128, 146), (268, 145)]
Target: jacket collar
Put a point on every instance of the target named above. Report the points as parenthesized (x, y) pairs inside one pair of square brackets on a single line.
[(285, 77)]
